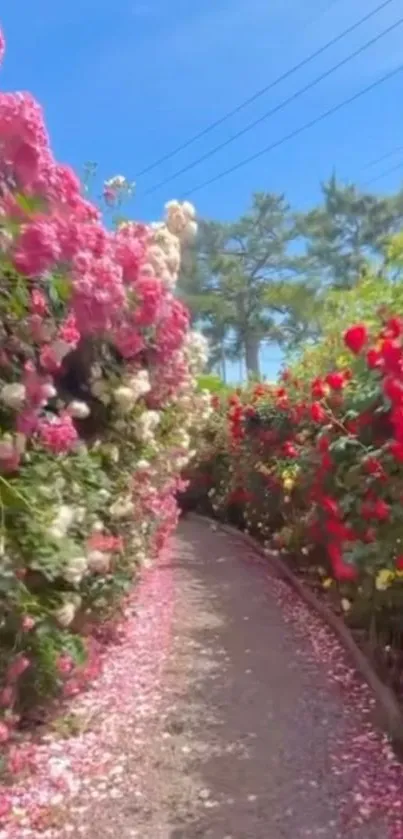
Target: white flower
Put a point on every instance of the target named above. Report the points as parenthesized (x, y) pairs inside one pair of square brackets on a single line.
[(112, 452), (98, 526), (189, 232), (62, 521), (66, 613), (140, 384), (189, 210), (121, 508), (147, 423), (78, 410), (80, 515), (104, 494), (96, 371), (75, 569), (99, 562), (183, 439), (99, 389), (48, 392), (116, 182), (13, 395), (59, 349), (124, 397), (143, 465)]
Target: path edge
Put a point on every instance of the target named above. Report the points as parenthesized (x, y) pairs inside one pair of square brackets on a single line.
[(390, 712)]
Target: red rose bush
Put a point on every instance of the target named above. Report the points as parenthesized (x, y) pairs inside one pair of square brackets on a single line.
[(315, 462)]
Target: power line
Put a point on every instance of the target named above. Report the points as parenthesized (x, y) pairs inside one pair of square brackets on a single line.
[(382, 158), (278, 107), (296, 132), (384, 173), (257, 94)]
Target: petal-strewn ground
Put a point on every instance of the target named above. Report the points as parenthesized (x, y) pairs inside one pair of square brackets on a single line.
[(228, 712)]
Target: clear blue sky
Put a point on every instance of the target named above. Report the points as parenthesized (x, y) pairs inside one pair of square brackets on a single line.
[(123, 83)]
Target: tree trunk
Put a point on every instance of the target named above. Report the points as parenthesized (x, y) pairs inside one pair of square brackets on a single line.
[(223, 364), (252, 357)]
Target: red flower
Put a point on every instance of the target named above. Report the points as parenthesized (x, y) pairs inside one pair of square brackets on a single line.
[(330, 505), (319, 389), (396, 449), (356, 337), (392, 355), (381, 510), (399, 563), (393, 328), (374, 359), (378, 509), (318, 413), (373, 466), (289, 449), (344, 572), (336, 380), (393, 389)]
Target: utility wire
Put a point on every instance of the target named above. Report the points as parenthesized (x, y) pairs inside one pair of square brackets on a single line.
[(259, 92), (382, 158), (274, 110), (384, 173), (296, 132)]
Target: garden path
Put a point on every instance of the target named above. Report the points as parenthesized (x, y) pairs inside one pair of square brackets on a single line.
[(252, 735)]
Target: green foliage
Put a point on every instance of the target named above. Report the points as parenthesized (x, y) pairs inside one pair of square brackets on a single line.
[(274, 276)]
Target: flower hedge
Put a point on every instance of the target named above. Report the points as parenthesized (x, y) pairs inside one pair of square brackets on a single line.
[(316, 460), (97, 399)]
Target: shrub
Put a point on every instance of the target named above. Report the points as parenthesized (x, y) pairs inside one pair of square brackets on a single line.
[(317, 460), (98, 395)]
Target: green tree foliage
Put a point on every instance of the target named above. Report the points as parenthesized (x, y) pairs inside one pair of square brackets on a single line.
[(348, 228), (270, 276)]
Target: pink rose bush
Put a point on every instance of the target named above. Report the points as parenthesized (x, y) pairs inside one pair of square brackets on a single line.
[(98, 393)]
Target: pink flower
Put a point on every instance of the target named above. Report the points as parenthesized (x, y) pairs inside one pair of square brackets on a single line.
[(7, 697), (64, 664), (5, 805), (17, 668), (58, 434), (28, 623), (4, 733), (71, 688), (37, 249), (38, 302)]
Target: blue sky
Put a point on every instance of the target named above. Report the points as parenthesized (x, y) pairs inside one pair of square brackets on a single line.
[(123, 83)]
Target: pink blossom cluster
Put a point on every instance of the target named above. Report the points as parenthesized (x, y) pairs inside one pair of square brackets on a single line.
[(97, 306), (115, 283)]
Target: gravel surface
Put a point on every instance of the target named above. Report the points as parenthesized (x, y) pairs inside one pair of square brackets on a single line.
[(251, 721), (227, 715)]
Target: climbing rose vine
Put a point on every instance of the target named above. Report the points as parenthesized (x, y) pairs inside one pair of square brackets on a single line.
[(97, 398)]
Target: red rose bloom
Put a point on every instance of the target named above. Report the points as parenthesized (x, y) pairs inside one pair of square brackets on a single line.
[(356, 337)]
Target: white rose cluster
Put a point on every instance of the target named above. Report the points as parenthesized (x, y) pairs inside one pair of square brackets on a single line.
[(181, 220), (118, 184), (133, 388), (62, 522), (66, 613), (163, 256), (75, 569), (146, 426), (13, 395), (196, 351)]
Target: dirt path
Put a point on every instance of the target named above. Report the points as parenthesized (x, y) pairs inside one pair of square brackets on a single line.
[(244, 747), (245, 734)]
